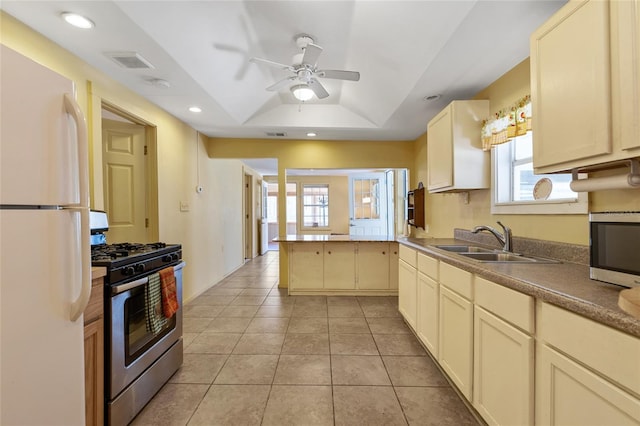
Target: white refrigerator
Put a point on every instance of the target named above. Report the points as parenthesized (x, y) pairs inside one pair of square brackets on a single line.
[(45, 265)]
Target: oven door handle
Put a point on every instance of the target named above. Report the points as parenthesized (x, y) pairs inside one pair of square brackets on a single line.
[(137, 283)]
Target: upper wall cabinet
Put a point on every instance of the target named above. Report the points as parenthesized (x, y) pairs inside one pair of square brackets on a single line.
[(455, 158), (585, 71)]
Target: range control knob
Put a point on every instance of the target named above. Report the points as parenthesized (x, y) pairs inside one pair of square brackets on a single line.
[(128, 271), (174, 256), (139, 268), (166, 258)]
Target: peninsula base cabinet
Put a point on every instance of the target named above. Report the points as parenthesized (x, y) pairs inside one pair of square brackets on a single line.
[(407, 282), (342, 267), (306, 267)]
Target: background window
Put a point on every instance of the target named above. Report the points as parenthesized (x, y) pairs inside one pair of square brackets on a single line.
[(315, 206), (517, 190), (366, 198)]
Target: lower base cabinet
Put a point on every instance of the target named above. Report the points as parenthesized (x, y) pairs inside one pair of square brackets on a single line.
[(407, 281), (456, 339), (427, 315), (93, 372), (569, 394), (503, 387)]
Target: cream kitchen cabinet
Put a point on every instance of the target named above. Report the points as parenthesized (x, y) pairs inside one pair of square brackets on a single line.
[(407, 285), (455, 159), (428, 303), (374, 263), (579, 379), (584, 85), (306, 266), (503, 384), (339, 266), (455, 338), (343, 267)]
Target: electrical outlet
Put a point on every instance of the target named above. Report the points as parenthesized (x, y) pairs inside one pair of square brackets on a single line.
[(184, 206)]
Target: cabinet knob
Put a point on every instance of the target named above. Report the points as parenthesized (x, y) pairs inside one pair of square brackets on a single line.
[(329, 252), (395, 252), (384, 252), (317, 252)]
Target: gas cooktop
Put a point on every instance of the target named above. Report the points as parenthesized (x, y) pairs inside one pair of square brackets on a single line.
[(118, 254)]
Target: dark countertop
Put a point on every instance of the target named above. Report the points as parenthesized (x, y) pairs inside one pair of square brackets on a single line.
[(563, 284), (322, 238)]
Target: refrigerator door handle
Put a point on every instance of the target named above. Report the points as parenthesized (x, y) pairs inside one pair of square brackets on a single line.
[(74, 110), (80, 304)]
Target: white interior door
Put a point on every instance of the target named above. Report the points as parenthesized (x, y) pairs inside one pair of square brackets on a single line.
[(264, 225), (368, 204), (124, 168)]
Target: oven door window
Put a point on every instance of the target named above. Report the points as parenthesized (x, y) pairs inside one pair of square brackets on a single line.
[(138, 338)]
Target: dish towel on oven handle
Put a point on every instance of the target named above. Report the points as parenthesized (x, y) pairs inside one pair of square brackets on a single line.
[(169, 296), (153, 305)]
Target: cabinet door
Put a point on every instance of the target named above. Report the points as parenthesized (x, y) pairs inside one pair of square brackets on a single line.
[(373, 266), (569, 394), (456, 339), (407, 282), (440, 151), (94, 372), (503, 371), (571, 86), (393, 265), (427, 321), (340, 266), (626, 72), (306, 263)]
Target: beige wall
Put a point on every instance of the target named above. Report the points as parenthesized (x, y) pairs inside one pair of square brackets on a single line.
[(447, 211), (313, 154), (209, 232)]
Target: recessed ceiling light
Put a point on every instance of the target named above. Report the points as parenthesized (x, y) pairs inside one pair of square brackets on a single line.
[(78, 21), (195, 109), (312, 134)]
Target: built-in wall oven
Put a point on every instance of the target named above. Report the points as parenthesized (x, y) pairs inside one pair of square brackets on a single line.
[(615, 247)]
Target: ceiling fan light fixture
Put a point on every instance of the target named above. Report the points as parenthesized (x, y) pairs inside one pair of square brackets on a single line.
[(302, 92)]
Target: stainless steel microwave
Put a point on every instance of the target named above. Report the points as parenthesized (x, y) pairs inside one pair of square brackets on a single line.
[(615, 247)]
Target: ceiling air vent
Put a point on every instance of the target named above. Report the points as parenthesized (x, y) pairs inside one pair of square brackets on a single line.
[(131, 60), (276, 134)]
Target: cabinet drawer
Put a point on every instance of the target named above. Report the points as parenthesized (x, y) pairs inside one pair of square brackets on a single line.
[(606, 350), (408, 255), (510, 305), (428, 266), (457, 280), (95, 307)]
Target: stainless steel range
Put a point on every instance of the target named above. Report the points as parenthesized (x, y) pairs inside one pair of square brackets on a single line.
[(140, 355)]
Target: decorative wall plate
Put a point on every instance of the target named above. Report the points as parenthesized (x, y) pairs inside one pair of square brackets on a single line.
[(542, 189)]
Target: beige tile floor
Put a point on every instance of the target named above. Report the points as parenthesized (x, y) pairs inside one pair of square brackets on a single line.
[(256, 356)]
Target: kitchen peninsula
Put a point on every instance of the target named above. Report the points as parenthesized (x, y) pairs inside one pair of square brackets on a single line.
[(342, 264)]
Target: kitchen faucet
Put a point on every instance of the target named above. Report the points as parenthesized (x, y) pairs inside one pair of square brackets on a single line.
[(505, 239)]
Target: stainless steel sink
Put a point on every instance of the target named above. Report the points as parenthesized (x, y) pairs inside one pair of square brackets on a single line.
[(496, 257), (464, 249)]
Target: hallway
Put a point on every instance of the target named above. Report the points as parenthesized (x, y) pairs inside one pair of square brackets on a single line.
[(256, 356)]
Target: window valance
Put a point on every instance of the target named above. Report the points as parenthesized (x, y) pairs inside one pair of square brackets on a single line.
[(507, 124)]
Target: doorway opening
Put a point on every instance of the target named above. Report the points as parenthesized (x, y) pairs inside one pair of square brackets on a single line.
[(129, 176)]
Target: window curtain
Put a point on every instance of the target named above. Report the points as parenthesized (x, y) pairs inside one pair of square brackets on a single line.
[(507, 124)]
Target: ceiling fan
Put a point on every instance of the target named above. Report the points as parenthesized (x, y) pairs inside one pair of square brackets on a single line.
[(305, 71)]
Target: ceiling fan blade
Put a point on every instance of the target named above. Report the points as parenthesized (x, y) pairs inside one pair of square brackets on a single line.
[(271, 63), (311, 54), (282, 83), (318, 89), (339, 74)]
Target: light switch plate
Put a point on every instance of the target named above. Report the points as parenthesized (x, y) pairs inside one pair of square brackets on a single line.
[(184, 206)]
